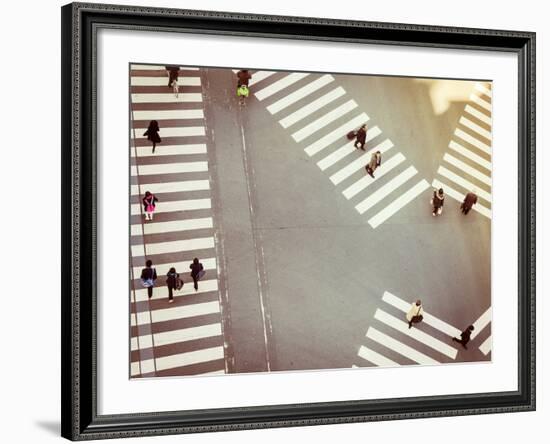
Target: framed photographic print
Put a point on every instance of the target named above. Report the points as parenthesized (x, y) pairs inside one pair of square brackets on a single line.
[(278, 221)]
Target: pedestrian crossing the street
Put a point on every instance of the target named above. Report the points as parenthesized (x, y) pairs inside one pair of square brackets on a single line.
[(389, 342), (318, 115), (466, 165), (184, 337)]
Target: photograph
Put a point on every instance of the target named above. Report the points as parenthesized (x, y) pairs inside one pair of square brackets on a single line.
[(297, 221)]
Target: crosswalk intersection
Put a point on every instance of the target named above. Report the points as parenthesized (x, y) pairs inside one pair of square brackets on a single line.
[(184, 337)]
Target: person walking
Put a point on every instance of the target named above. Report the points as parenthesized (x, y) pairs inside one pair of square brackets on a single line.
[(465, 336), (148, 277), (152, 133), (437, 202), (149, 204), (243, 77), (415, 313), (375, 162), (173, 282), (197, 272), (469, 201), (361, 137), (173, 73)]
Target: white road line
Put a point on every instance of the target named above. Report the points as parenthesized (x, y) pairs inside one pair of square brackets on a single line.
[(188, 358), (169, 168), (172, 226), (467, 153), (258, 76), (467, 169), (310, 108), (375, 358), (279, 85), (171, 187), (181, 267), (161, 292), (483, 103), (487, 345), (460, 198), (429, 319), (169, 150), (478, 115), (463, 183), (167, 97), (135, 369), (475, 127), (176, 336), (174, 246), (385, 190), (399, 347), (365, 181), (473, 141), (416, 334), (168, 114), (359, 163), (398, 203), (175, 205), (182, 131), (481, 88), (482, 322), (300, 93), (348, 148), (163, 81), (324, 120)]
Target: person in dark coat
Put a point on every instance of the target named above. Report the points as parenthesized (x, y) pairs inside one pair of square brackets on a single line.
[(173, 73), (361, 137), (152, 133), (149, 205), (196, 269), (172, 282), (148, 277), (375, 162), (437, 202), (469, 201), (243, 77), (465, 336)]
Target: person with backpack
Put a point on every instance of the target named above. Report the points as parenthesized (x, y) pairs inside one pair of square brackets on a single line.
[(148, 277), (197, 272), (149, 205), (173, 282), (415, 313)]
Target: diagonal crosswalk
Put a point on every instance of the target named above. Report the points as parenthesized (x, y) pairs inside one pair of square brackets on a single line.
[(184, 337)]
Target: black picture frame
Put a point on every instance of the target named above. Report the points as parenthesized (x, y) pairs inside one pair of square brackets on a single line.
[(80, 23)]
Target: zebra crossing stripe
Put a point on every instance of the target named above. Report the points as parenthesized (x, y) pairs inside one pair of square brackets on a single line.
[(478, 115), (172, 226), (169, 150), (467, 153), (279, 85), (175, 205), (181, 267), (187, 358), (167, 97), (310, 108), (173, 313), (463, 183), (416, 334), (399, 347), (398, 203), (481, 323), (359, 163), (460, 198), (168, 114), (475, 127), (348, 148), (484, 90), (183, 131), (429, 319), (487, 345), (323, 121), (467, 169), (174, 246), (169, 168), (300, 94), (365, 181), (258, 76), (176, 336), (171, 187), (385, 190), (473, 141), (483, 103), (375, 358), (163, 81)]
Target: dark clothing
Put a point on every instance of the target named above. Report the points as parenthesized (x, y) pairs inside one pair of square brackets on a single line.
[(468, 203), (172, 283), (464, 337), (151, 200), (437, 201), (149, 273), (243, 77), (173, 72), (360, 138), (196, 268), (152, 132)]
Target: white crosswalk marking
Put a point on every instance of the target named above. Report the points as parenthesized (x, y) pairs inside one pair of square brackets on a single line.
[(375, 358), (317, 104), (163, 81), (467, 153), (167, 168), (175, 205), (167, 97), (473, 141), (484, 90), (168, 114), (449, 191), (300, 94), (172, 226), (482, 322), (171, 187), (279, 85), (398, 203), (187, 358), (185, 131), (478, 115), (483, 103), (475, 127), (181, 267), (176, 336), (169, 150), (467, 169), (399, 347), (161, 292), (463, 183), (175, 246), (487, 345), (259, 76), (322, 121)]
